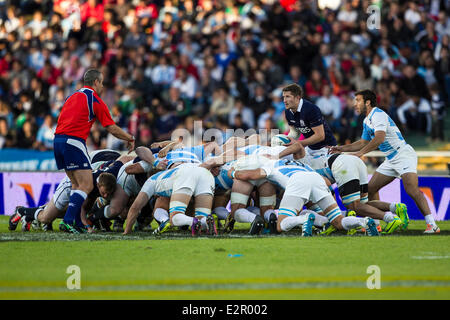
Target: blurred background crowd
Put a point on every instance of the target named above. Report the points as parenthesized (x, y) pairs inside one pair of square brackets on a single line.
[(169, 63)]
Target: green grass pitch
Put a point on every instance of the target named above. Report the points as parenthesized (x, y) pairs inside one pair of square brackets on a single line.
[(175, 266)]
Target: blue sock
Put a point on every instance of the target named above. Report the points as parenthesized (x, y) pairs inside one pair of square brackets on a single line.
[(76, 200)]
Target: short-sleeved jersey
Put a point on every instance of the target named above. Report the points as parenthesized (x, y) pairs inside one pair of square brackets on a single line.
[(261, 150), (161, 183), (222, 180), (378, 120), (79, 113), (307, 118), (186, 155), (112, 168), (320, 164), (279, 171)]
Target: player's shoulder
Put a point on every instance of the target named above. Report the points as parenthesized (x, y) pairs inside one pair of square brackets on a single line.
[(309, 105)]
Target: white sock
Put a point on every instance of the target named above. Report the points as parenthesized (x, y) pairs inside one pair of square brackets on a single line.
[(388, 217), (289, 223), (161, 215), (392, 207), (429, 219), (254, 210), (180, 219), (352, 222), (268, 213), (221, 212), (319, 220), (243, 215)]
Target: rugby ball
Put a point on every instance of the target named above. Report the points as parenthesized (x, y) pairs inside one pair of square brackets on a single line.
[(279, 140)]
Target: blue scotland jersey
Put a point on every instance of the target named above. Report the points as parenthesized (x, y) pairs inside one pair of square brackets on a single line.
[(279, 171), (378, 120), (308, 117)]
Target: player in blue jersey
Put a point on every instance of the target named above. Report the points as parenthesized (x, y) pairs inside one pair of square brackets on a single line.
[(305, 118), (380, 132)]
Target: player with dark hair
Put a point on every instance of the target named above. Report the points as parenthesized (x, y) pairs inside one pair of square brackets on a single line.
[(305, 118), (380, 131)]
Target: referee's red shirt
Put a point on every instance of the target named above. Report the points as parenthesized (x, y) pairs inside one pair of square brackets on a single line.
[(79, 113)]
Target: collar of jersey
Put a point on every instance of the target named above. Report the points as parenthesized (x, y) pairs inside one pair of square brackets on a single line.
[(300, 104)]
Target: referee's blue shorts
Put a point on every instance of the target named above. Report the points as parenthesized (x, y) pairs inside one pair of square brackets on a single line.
[(70, 153)]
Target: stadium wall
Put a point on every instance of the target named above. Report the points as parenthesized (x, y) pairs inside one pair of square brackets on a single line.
[(33, 189)]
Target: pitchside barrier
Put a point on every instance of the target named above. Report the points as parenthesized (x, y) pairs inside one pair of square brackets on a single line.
[(29, 178)]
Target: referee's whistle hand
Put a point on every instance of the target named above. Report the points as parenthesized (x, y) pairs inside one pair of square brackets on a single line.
[(130, 146)]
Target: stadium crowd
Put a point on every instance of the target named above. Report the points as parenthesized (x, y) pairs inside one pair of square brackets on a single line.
[(168, 63)]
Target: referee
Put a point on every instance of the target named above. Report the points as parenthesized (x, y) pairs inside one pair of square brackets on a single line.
[(78, 114), (305, 118)]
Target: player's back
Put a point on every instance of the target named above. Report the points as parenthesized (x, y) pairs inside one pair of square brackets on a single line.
[(279, 171), (186, 155), (222, 180)]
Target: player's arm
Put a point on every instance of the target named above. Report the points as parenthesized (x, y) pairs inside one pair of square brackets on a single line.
[(353, 147), (318, 136), (161, 144), (247, 174), (293, 135), (378, 139), (140, 201), (212, 147), (296, 149), (145, 154), (171, 146)]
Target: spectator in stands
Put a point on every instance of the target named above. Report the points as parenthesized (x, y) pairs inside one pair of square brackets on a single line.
[(248, 48), (45, 134), (330, 106)]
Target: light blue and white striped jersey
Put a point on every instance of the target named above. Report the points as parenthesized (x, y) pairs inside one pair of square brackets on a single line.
[(260, 150), (378, 120), (320, 164), (188, 154), (161, 183), (250, 149), (222, 180), (279, 171)]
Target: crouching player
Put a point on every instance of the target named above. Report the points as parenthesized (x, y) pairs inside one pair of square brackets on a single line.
[(180, 184), (302, 185)]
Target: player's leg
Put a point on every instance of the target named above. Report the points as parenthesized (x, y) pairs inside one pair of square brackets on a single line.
[(179, 202), (296, 194), (220, 203), (240, 193), (378, 181), (82, 185), (411, 185), (267, 203)]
